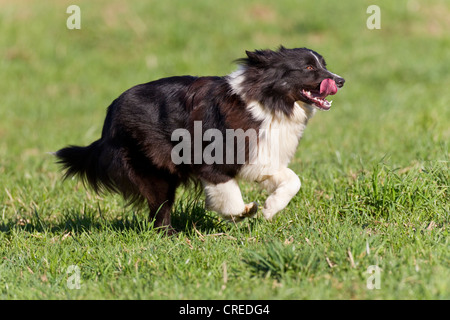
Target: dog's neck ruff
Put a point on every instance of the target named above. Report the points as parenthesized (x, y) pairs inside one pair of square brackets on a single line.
[(278, 136), (235, 80)]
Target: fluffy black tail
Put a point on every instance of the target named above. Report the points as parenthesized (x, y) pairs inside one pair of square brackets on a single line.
[(85, 162)]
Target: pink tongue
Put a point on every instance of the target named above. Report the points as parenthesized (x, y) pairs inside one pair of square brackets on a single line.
[(327, 87)]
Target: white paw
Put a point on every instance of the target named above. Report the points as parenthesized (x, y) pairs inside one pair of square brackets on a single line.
[(268, 213), (249, 212)]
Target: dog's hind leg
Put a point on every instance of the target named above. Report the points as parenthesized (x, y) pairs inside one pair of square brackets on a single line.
[(226, 199), (282, 186), (160, 196)]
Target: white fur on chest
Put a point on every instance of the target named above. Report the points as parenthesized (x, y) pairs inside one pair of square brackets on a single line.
[(279, 136)]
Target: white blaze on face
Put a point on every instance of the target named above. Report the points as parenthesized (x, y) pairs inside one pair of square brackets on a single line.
[(318, 61)]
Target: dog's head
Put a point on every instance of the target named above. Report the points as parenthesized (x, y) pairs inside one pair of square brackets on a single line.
[(289, 75)]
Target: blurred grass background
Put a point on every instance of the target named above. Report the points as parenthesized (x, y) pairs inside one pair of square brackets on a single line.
[(57, 83)]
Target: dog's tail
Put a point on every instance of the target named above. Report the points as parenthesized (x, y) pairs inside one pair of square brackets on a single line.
[(86, 163)]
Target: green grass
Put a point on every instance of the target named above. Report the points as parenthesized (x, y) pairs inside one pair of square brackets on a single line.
[(374, 170)]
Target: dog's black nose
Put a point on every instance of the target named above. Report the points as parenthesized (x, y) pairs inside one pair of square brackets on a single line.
[(339, 81)]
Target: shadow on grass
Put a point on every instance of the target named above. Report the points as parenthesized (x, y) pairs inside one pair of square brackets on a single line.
[(187, 217)]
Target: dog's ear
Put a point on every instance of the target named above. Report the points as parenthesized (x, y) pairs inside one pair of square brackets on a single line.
[(252, 55), (258, 57)]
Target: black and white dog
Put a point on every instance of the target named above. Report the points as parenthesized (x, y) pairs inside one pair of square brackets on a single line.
[(272, 94)]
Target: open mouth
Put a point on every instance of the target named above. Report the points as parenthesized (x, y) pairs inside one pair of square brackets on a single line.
[(317, 97)]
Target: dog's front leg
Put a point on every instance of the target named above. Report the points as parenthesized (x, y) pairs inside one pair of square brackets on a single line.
[(226, 199), (282, 186)]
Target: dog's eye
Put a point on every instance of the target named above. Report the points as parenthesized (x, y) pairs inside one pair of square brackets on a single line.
[(310, 68)]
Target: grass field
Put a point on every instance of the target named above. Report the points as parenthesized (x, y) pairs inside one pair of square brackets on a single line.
[(374, 169)]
